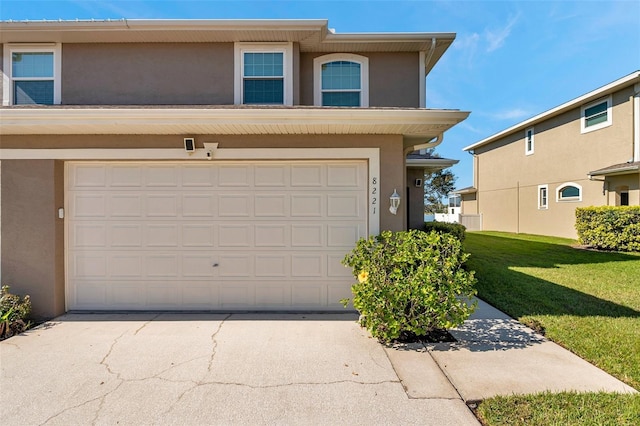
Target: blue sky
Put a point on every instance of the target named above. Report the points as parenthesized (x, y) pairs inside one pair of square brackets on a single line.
[(511, 59)]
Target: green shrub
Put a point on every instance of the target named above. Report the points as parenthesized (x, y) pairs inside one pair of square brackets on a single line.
[(410, 283), (13, 313), (609, 228), (455, 229)]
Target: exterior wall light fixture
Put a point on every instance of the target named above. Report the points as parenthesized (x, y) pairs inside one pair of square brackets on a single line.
[(394, 202)]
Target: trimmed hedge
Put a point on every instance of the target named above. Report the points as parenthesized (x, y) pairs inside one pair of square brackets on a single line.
[(455, 229), (609, 228)]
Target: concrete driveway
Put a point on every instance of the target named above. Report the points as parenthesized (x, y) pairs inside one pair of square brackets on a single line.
[(196, 369)]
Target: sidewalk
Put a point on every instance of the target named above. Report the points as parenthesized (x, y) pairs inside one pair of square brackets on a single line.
[(495, 355)]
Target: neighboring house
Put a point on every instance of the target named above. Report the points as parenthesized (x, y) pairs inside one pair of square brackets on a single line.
[(531, 177), (205, 164)]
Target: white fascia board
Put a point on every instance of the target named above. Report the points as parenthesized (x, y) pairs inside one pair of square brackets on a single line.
[(574, 103), (165, 24), (387, 37)]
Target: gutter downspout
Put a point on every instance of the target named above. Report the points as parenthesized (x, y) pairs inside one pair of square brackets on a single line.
[(424, 61), (426, 145), (636, 123)]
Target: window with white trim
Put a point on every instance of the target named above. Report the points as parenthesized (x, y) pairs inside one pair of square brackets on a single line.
[(596, 115), (263, 73), (529, 141), (341, 79), (543, 197), (569, 192), (31, 74)]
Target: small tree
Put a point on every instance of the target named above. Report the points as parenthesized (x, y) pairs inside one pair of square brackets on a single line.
[(437, 186)]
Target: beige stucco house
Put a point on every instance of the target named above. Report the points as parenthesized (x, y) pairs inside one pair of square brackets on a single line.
[(531, 177), (206, 164)]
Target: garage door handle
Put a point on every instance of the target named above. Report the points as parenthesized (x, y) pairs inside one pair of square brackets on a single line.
[(215, 265)]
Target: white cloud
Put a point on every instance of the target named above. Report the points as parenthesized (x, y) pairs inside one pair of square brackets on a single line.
[(496, 38)]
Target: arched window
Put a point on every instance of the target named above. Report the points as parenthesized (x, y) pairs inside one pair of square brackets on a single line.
[(341, 80), (569, 192)]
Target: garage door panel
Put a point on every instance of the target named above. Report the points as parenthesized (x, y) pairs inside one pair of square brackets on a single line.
[(307, 235), (271, 176), (235, 235), (197, 176), (307, 265), (162, 205), (273, 296), (271, 235), (345, 176), (344, 205), (197, 265), (234, 205), (126, 176), (272, 265), (126, 265), (162, 176), (161, 235), (90, 266), (125, 235), (235, 175), (235, 265), (198, 235), (307, 205), (335, 268), (309, 294), (205, 235), (199, 295), (85, 235), (89, 206), (309, 175), (162, 265), (198, 205)]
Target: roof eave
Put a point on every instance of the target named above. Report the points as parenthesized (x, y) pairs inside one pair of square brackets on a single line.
[(593, 95), (166, 120)]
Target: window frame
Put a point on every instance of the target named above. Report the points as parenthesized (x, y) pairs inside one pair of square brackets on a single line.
[(9, 49), (583, 118), (335, 57), (542, 206), (528, 151), (240, 48), (560, 199)]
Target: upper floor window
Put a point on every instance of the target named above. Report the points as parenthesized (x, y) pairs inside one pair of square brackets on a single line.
[(569, 192), (596, 115), (264, 73), (341, 80), (31, 74), (528, 141)]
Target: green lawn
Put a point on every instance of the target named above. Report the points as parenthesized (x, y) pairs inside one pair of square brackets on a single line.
[(587, 301)]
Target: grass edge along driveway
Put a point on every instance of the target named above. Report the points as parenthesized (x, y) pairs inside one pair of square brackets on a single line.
[(586, 301)]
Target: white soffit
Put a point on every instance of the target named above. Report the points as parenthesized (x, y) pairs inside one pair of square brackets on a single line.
[(226, 121), (312, 34)]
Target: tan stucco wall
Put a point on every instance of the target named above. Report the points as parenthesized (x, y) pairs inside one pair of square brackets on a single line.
[(468, 204), (393, 79), (32, 235), (1, 68), (147, 73), (562, 154)]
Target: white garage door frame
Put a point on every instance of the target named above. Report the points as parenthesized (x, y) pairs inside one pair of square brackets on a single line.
[(371, 155)]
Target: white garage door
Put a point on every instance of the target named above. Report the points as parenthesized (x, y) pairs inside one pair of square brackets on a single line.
[(203, 235)]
